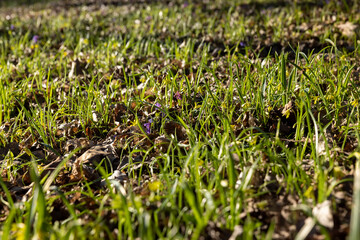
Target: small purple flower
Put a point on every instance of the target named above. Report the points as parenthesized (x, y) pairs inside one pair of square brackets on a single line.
[(185, 4), (148, 18), (12, 27), (242, 44), (157, 106), (178, 95), (35, 38), (148, 126)]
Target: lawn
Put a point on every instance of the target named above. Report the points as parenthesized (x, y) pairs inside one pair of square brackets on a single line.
[(179, 120)]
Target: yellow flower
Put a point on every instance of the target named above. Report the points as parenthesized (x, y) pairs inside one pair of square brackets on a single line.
[(309, 193), (287, 113), (329, 97), (18, 230), (134, 123), (315, 98), (253, 141), (167, 80), (355, 103), (197, 105), (155, 186), (40, 168)]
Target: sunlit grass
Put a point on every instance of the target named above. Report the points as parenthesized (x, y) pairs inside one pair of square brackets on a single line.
[(215, 132)]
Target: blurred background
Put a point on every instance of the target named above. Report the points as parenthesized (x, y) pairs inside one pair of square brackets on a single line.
[(87, 2)]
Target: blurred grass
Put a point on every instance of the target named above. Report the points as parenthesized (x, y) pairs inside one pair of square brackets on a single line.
[(13, 3)]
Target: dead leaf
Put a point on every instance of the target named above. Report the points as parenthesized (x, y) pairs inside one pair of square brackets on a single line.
[(322, 212), (347, 29), (174, 128), (83, 143), (97, 153), (80, 171), (162, 143)]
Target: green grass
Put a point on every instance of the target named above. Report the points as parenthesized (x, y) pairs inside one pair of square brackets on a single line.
[(220, 116)]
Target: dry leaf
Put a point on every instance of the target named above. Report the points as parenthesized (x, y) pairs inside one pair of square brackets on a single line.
[(322, 212), (347, 29), (162, 143), (175, 129), (98, 153)]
